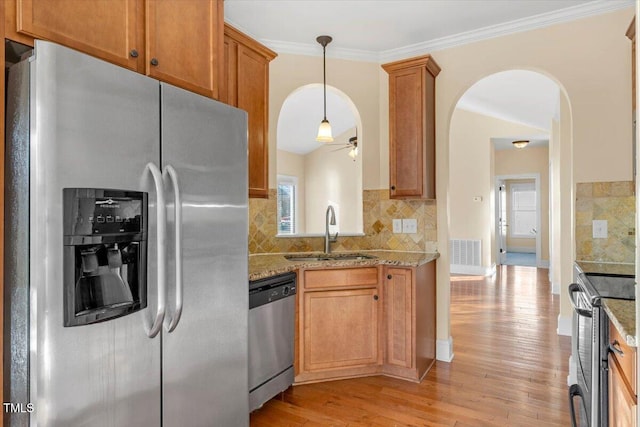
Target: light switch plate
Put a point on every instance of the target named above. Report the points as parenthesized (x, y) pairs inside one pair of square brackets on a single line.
[(410, 225), (600, 229), (397, 226)]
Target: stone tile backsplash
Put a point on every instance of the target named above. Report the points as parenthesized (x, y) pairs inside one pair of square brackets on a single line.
[(615, 203), (378, 212)]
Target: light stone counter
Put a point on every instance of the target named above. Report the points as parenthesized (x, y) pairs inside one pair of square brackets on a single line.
[(266, 265), (623, 315)]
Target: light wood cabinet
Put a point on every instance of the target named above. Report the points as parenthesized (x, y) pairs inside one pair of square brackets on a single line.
[(112, 30), (148, 36), (338, 324), (410, 320), (623, 400), (185, 43), (246, 86), (412, 127), (365, 321)]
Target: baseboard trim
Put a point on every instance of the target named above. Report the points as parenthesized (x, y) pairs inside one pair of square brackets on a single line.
[(444, 350), (544, 263), (555, 288), (564, 325), (473, 270)]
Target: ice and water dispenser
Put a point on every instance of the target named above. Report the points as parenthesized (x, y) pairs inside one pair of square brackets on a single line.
[(105, 254)]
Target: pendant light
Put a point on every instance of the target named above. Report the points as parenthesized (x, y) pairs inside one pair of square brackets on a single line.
[(324, 131)]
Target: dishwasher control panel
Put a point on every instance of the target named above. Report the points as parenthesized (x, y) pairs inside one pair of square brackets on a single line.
[(270, 289)]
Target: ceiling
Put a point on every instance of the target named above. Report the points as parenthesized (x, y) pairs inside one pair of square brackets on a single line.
[(383, 30)]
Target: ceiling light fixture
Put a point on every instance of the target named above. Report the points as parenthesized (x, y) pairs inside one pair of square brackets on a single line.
[(353, 141), (324, 131), (521, 143)]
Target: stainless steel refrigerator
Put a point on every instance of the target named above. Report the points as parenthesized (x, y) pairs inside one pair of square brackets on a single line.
[(126, 249)]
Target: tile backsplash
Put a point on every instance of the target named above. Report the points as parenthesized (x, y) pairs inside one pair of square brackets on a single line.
[(378, 212), (615, 203)]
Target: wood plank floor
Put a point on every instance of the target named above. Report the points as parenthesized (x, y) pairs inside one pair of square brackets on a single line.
[(510, 368)]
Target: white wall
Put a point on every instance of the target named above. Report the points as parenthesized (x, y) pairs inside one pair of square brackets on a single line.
[(333, 177), (471, 172)]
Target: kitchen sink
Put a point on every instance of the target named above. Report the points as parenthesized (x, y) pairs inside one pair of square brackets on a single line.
[(329, 257)]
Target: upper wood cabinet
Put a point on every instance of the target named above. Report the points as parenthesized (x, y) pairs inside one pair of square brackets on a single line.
[(185, 43), (176, 41), (246, 86), (109, 29), (412, 127)]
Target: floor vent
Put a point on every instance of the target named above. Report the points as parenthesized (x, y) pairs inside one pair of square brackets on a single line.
[(466, 252)]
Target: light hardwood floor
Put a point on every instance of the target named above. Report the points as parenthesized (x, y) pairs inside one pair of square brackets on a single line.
[(510, 368)]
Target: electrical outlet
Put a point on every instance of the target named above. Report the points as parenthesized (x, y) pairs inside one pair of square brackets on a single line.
[(600, 229), (397, 226), (410, 226)]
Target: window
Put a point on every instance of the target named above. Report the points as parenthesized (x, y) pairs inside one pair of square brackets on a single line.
[(287, 204), (523, 210)]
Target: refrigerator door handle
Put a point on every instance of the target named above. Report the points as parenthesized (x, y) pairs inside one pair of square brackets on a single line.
[(162, 238), (171, 172)]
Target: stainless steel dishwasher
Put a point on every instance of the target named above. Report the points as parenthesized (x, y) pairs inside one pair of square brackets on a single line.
[(271, 337)]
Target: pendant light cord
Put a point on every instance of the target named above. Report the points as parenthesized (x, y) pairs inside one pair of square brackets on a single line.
[(324, 77)]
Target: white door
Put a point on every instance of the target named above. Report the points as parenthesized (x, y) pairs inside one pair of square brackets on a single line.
[(501, 223)]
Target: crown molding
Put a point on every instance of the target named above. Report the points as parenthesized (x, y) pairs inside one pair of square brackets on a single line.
[(592, 8), (543, 20)]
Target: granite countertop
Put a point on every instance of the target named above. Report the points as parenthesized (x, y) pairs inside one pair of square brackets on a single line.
[(266, 265), (614, 268), (623, 315)]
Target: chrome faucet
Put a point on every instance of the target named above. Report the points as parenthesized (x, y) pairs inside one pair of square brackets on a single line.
[(330, 219)]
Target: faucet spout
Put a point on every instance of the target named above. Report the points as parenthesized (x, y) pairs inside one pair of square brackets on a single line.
[(330, 219)]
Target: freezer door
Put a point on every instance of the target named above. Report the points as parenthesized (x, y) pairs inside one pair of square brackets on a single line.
[(93, 125), (205, 379)]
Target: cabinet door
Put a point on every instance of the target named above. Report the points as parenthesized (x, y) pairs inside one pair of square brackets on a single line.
[(108, 29), (406, 127), (252, 87), (184, 43), (340, 329), (398, 317), (622, 404)]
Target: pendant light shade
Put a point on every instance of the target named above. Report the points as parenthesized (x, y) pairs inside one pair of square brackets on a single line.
[(324, 131)]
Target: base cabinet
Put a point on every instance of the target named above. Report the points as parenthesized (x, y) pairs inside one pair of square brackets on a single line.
[(622, 403), (365, 321), (623, 400), (410, 321), (338, 324)]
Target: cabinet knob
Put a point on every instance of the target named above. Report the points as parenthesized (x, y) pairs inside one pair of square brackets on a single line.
[(389, 276), (393, 187), (375, 297), (154, 62), (133, 53)]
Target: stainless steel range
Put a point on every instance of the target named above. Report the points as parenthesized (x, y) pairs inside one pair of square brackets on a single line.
[(590, 340)]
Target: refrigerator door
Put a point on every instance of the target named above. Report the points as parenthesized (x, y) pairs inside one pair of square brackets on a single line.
[(94, 125), (205, 379)]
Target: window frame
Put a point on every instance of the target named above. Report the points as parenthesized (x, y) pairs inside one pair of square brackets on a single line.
[(291, 181), (522, 187)]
